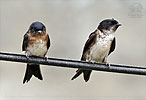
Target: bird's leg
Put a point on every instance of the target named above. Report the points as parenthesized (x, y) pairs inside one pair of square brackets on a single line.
[(105, 62), (108, 64), (93, 62), (46, 58), (90, 60), (27, 54)]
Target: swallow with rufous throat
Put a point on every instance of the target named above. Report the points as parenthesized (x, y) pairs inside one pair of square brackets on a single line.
[(99, 46), (36, 42)]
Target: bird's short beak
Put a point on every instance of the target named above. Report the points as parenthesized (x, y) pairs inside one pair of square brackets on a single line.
[(39, 32), (119, 24)]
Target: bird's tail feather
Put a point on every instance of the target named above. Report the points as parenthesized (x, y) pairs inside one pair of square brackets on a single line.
[(78, 72), (86, 74), (32, 69)]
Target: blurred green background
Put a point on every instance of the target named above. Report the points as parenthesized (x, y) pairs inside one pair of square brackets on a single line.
[(69, 23)]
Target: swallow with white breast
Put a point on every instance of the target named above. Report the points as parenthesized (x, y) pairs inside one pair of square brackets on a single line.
[(36, 42), (99, 45)]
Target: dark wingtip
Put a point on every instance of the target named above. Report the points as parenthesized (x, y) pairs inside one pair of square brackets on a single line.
[(25, 80), (77, 74), (40, 77), (73, 78)]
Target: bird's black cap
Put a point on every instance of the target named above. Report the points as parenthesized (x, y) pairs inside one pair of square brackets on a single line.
[(37, 26), (107, 24)]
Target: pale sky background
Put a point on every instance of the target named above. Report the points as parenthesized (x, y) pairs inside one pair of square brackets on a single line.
[(69, 23)]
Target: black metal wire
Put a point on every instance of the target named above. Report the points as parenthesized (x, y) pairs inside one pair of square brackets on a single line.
[(74, 64)]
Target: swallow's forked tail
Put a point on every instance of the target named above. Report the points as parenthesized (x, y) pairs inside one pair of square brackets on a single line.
[(32, 69), (86, 74)]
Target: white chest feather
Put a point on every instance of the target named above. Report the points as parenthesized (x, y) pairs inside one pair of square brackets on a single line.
[(38, 49), (101, 48)]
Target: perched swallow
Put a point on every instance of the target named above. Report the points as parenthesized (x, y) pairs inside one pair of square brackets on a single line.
[(99, 45), (36, 42)]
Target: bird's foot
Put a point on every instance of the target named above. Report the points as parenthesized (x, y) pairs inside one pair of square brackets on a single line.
[(27, 54), (93, 62), (106, 63), (46, 58)]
